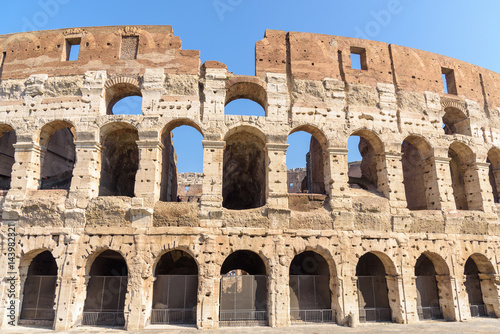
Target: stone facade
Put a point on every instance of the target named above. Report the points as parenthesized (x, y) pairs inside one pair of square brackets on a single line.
[(429, 203)]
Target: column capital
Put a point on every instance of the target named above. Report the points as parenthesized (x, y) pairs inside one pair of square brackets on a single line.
[(88, 144), (216, 144), (26, 147), (276, 147), (153, 144), (337, 150)]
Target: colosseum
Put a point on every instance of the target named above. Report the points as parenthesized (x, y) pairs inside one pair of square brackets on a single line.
[(93, 232)]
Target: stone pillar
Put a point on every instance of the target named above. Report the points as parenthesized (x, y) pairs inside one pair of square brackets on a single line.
[(479, 186), (66, 311), (207, 313), (490, 287), (391, 182), (148, 178), (87, 169), (443, 178), (336, 177), (277, 97), (213, 155), (26, 169), (92, 92), (214, 91), (448, 297), (134, 302), (431, 184), (152, 89), (277, 190), (396, 298), (278, 288), (462, 301), (350, 298)]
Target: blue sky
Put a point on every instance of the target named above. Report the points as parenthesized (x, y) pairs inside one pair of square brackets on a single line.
[(226, 30)]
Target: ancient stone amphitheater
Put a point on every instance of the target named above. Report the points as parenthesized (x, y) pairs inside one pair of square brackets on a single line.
[(93, 232)]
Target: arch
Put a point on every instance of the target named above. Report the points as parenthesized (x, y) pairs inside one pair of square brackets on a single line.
[(119, 159), (7, 140), (494, 172), (371, 148), (170, 185), (244, 171), (309, 286), (373, 292), (120, 88), (175, 289), (467, 197), (106, 289), (416, 164), (58, 154), (243, 290), (315, 169), (39, 290), (479, 284), (455, 121), (251, 88), (246, 128)]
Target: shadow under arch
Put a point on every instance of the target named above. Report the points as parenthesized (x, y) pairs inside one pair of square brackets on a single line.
[(119, 159), (416, 163), (311, 298), (39, 288), (7, 140), (493, 159), (243, 290), (244, 169), (175, 289), (480, 286), (106, 289), (246, 88), (467, 196), (57, 142), (374, 295)]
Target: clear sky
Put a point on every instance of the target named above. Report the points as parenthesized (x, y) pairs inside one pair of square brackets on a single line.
[(226, 30)]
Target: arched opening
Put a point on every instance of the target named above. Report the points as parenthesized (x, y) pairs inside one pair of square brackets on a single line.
[(243, 290), (428, 306), (244, 172), (119, 160), (310, 295), (244, 107), (480, 286), (39, 291), (58, 155), (364, 174), (466, 195), (373, 298), (304, 163), (106, 290), (418, 174), (182, 163), (118, 99), (7, 140), (494, 172), (455, 121), (175, 290)]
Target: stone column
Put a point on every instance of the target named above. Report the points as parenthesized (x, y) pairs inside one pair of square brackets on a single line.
[(396, 298), (480, 187), (448, 297), (391, 182), (134, 302), (277, 190), (277, 97), (92, 92), (278, 288), (350, 298), (443, 178), (207, 313), (66, 311), (462, 302), (490, 287), (336, 177), (214, 91), (213, 154), (26, 169), (87, 169), (148, 177)]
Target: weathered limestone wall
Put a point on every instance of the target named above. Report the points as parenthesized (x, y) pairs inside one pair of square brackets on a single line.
[(305, 82)]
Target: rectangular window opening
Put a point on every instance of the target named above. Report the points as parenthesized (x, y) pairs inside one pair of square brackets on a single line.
[(130, 45), (291, 184), (186, 188), (449, 84), (358, 58), (72, 49)]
